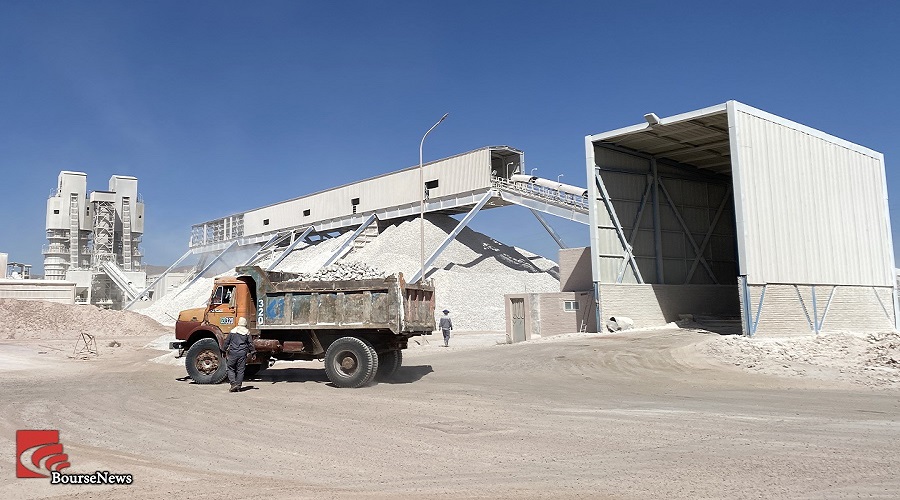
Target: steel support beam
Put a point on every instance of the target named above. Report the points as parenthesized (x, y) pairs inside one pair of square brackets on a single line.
[(549, 229), (687, 232), (274, 240), (709, 233), (657, 226), (827, 307), (629, 255), (340, 251), (208, 266), (634, 230), (750, 322), (450, 237), (161, 276), (287, 251), (809, 319)]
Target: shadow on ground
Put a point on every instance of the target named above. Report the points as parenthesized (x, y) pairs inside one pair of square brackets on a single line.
[(408, 374)]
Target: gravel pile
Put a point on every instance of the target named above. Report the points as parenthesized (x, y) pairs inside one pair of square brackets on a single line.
[(343, 271), (26, 319), (470, 277), (308, 259), (165, 310), (864, 359)]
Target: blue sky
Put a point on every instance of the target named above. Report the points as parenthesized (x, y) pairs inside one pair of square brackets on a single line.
[(223, 106)]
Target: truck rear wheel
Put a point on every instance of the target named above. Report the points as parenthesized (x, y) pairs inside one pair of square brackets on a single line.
[(388, 364), (204, 362), (350, 362)]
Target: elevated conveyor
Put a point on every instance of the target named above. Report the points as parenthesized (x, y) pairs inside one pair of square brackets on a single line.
[(117, 275)]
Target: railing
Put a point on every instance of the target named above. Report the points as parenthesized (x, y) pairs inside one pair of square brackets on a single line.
[(542, 193)]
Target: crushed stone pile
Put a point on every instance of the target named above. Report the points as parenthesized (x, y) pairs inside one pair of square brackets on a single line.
[(871, 360), (165, 310), (342, 271), (470, 277), (26, 319)]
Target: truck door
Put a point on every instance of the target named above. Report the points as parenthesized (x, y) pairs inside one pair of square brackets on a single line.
[(222, 308)]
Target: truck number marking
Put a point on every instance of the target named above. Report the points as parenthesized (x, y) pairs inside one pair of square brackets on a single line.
[(259, 312), (226, 321)]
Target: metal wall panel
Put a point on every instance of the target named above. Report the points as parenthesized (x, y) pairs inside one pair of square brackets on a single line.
[(456, 175), (697, 199), (813, 208)]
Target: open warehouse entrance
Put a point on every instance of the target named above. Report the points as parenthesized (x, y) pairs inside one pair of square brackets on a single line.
[(730, 211)]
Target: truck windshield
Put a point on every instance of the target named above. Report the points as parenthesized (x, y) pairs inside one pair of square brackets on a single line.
[(223, 295)]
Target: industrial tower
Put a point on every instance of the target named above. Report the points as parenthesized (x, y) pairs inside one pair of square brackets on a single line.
[(94, 239)]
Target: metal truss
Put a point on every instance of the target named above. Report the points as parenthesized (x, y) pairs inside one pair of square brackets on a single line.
[(287, 251), (450, 237), (345, 245)]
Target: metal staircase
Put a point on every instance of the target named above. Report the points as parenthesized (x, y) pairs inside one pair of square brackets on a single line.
[(74, 232), (126, 234)]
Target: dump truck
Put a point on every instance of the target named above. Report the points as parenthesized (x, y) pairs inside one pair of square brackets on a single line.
[(359, 327)]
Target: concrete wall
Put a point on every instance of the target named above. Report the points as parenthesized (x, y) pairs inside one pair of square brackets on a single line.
[(575, 269), (545, 313), (555, 320), (655, 305), (62, 292), (787, 310)]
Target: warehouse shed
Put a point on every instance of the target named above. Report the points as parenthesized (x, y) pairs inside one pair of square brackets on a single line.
[(731, 211)]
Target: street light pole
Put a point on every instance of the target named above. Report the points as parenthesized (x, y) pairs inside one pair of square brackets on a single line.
[(422, 202)]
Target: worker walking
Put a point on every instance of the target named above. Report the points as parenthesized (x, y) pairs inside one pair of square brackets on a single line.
[(238, 347), (446, 325)]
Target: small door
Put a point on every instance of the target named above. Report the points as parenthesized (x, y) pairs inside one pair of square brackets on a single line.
[(222, 308), (517, 307)]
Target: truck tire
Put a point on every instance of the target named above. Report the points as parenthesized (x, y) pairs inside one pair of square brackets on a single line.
[(205, 363), (388, 364), (350, 362)]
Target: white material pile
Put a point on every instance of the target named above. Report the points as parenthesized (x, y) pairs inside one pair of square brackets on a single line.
[(342, 271), (166, 308), (864, 359), (24, 319), (470, 277)]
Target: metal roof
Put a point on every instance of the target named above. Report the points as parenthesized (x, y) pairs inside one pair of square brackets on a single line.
[(699, 138)]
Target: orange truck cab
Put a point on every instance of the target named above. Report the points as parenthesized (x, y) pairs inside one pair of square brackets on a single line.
[(230, 299)]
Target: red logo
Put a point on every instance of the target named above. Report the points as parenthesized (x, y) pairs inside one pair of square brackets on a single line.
[(38, 453)]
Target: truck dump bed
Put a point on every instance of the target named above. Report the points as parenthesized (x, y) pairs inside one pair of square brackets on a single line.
[(389, 304)]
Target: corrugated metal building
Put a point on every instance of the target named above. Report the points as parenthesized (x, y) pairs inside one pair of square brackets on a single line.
[(792, 223), (452, 185)]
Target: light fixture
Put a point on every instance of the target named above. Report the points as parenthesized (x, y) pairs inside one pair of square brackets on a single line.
[(652, 119)]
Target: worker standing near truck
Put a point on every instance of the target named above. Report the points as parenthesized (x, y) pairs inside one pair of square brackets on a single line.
[(446, 325), (238, 347)]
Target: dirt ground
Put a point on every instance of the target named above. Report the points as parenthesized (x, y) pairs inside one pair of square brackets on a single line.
[(645, 414)]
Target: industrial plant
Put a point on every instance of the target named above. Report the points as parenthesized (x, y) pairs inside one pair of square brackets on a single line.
[(94, 238)]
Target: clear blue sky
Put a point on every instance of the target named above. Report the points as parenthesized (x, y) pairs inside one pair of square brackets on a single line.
[(223, 106)]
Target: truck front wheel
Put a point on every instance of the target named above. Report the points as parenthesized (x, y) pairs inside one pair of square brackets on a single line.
[(350, 362), (204, 362)]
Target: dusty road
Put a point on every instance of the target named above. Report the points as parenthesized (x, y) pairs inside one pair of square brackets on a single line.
[(620, 416)]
